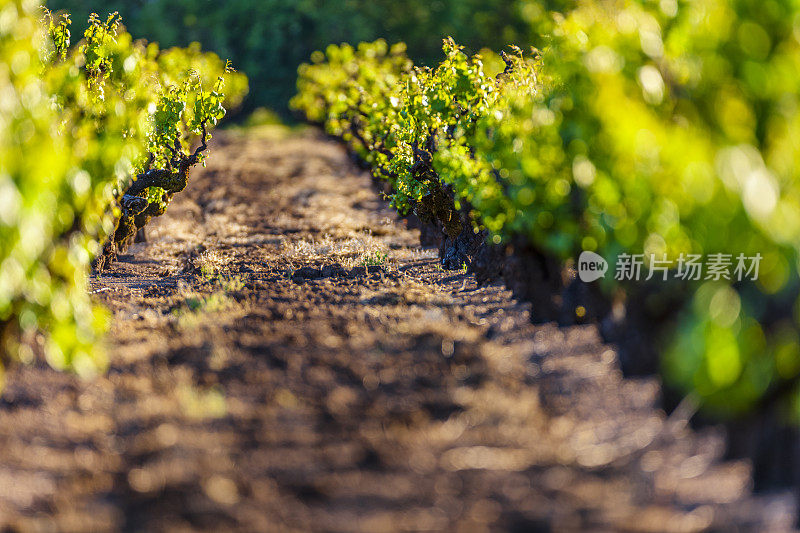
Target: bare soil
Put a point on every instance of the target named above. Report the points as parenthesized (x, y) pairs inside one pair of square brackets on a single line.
[(285, 357)]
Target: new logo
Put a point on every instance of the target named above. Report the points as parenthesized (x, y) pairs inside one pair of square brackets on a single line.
[(591, 267)]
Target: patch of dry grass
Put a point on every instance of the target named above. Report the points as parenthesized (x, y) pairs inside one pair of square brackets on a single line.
[(359, 250)]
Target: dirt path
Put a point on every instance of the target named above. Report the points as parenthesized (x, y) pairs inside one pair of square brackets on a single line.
[(262, 378)]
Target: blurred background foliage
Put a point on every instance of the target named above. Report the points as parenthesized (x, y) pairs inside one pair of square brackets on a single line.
[(269, 39)]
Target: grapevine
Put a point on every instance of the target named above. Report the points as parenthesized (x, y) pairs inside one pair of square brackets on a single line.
[(89, 111)]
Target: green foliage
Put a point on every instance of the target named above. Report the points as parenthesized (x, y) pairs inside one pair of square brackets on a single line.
[(76, 122), (47, 199), (194, 96), (58, 28), (349, 90), (376, 258), (663, 129), (434, 105), (268, 39), (168, 99), (98, 40), (400, 119)]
